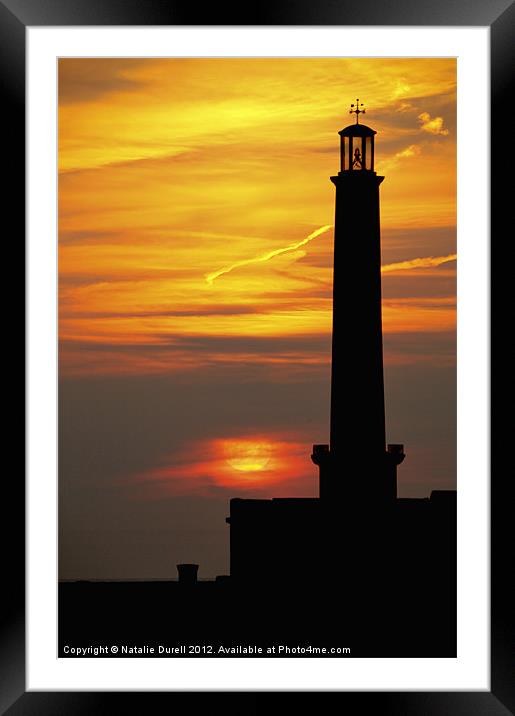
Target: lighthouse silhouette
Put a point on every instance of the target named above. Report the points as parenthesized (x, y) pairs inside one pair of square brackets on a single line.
[(358, 523), (357, 464)]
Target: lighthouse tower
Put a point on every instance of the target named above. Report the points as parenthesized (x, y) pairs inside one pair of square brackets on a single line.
[(333, 554), (357, 465)]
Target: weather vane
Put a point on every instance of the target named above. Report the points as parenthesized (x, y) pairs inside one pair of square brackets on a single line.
[(357, 111)]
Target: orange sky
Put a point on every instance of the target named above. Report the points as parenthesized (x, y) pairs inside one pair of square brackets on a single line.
[(171, 170), (195, 283)]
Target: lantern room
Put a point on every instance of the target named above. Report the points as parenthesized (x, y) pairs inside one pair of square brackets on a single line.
[(357, 148), (357, 144)]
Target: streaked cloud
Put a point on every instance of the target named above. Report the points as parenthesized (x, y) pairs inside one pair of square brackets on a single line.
[(419, 263), (412, 151), (210, 277)]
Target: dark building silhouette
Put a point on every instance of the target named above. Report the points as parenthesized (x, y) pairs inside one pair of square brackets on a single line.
[(357, 564)]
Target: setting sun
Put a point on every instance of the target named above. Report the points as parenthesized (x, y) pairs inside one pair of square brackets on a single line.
[(256, 463), (248, 455)]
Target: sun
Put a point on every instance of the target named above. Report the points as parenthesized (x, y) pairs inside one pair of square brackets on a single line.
[(247, 455)]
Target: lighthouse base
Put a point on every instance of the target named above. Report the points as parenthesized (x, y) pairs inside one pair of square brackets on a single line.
[(353, 478)]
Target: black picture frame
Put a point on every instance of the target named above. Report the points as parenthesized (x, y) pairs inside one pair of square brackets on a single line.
[(499, 16)]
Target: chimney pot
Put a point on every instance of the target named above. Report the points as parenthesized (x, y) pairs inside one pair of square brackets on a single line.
[(187, 573)]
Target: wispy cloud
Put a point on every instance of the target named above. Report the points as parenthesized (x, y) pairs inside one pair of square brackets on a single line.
[(412, 151), (424, 262), (432, 125), (210, 277)]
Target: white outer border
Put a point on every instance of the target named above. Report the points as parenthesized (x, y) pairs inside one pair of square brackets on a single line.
[(470, 671)]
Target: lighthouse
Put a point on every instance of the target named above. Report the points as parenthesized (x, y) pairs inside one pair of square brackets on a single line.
[(357, 464), (352, 555)]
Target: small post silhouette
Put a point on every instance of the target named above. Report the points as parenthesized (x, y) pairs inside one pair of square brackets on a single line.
[(187, 573)]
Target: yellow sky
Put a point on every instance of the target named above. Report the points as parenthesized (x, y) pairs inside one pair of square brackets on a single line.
[(171, 171)]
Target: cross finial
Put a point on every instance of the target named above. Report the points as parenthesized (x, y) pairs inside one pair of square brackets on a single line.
[(357, 111)]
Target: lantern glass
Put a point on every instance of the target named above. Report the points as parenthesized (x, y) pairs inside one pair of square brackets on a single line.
[(368, 154), (345, 154)]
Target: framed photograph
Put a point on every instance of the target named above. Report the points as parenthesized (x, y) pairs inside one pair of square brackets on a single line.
[(258, 290)]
